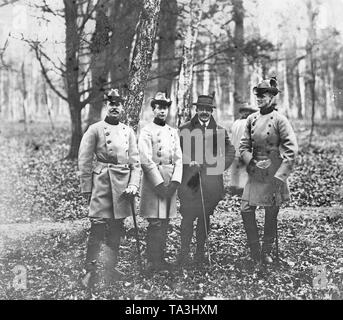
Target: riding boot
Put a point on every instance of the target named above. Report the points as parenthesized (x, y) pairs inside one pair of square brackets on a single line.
[(111, 251), (270, 226), (250, 226), (95, 238), (164, 265), (186, 238), (154, 247)]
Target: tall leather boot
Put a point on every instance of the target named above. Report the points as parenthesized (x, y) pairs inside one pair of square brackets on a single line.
[(164, 265), (95, 238), (251, 230), (186, 238), (111, 251), (153, 239), (270, 225)]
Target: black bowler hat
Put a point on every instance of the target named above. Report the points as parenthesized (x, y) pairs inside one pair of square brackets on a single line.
[(113, 95), (267, 86), (205, 101), (160, 99)]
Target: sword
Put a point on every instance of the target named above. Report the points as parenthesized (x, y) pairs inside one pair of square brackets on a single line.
[(204, 216), (132, 201)]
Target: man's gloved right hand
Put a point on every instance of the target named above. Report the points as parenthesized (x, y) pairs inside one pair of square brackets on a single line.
[(251, 168), (161, 190), (195, 165)]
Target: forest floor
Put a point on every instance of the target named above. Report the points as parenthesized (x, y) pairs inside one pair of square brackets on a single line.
[(44, 227)]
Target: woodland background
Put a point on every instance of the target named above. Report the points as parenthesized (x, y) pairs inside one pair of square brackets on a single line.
[(56, 60)]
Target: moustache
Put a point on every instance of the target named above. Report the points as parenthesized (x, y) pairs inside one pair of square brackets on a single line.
[(113, 110)]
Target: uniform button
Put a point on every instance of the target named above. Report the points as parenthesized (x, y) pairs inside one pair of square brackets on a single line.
[(160, 163), (110, 150), (267, 132), (108, 142), (107, 133), (158, 133), (159, 141), (271, 118), (159, 154), (269, 125), (252, 131)]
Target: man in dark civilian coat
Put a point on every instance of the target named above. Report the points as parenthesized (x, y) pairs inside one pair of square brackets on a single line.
[(207, 153)]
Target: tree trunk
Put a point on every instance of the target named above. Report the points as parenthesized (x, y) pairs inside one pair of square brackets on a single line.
[(239, 88), (124, 17), (72, 73), (184, 94), (298, 92), (141, 60), (99, 66), (167, 64), (76, 130), (24, 93)]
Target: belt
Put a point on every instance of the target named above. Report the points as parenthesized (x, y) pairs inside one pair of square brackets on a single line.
[(161, 163), (113, 162)]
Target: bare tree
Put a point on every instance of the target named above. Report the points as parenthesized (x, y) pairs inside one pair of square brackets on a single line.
[(239, 80), (184, 92), (141, 60)]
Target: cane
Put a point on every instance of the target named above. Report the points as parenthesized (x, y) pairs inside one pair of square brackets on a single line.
[(132, 201), (204, 215), (276, 232)]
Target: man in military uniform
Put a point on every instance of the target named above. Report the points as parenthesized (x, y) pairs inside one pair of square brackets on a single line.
[(239, 174), (161, 160), (207, 153), (268, 148), (116, 173)]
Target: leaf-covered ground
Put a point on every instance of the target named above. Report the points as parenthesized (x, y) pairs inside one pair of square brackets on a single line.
[(44, 229)]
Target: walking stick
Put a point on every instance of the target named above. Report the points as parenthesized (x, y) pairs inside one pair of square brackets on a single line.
[(132, 201), (276, 231), (204, 215)]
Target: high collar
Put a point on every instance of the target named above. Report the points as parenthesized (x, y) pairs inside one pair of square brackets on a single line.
[(159, 122), (268, 109), (111, 120)]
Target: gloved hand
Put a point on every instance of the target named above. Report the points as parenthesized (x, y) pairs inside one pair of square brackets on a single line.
[(251, 168), (195, 165), (131, 190), (172, 187), (87, 196), (161, 190)]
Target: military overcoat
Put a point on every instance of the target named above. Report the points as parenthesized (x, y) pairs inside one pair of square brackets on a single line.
[(108, 164), (268, 136), (161, 160), (239, 174)]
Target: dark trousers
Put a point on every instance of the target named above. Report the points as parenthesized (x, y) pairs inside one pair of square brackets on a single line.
[(106, 231), (250, 226), (156, 239), (187, 232)]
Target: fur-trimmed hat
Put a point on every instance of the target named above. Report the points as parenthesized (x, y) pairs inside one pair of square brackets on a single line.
[(113, 95), (160, 99), (267, 86)]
